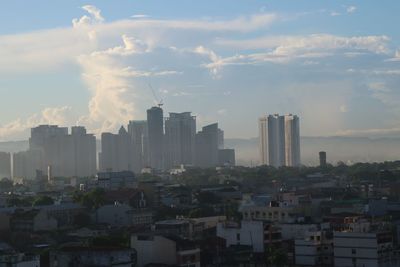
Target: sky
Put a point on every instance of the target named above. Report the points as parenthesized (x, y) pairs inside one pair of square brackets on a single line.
[(336, 64)]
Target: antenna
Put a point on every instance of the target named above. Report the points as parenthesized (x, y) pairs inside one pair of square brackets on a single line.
[(158, 101)]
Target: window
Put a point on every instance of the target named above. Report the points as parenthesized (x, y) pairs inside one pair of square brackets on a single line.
[(238, 237), (353, 251)]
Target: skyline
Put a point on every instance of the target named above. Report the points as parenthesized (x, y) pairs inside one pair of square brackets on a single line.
[(92, 63)]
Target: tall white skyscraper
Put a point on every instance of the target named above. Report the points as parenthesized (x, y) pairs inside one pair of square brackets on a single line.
[(292, 140), (279, 140)]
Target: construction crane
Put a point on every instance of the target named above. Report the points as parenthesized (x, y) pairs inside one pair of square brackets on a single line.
[(158, 101)]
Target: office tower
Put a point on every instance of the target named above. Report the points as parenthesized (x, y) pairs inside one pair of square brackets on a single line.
[(5, 165), (221, 143), (272, 140), (322, 159), (115, 151), (279, 140), (26, 163), (226, 157), (138, 134), (84, 158), (180, 139), (155, 126), (207, 146), (41, 134), (292, 140), (67, 154)]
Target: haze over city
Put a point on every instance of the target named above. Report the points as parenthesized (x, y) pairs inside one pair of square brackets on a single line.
[(229, 133), (92, 64)]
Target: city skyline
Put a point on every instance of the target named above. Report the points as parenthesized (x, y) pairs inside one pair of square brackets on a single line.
[(93, 63)]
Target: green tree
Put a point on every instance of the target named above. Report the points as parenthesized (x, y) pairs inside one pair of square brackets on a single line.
[(276, 257), (43, 200)]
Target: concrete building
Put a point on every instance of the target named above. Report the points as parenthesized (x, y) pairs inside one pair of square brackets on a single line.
[(279, 138), (272, 140), (207, 146), (114, 180), (292, 141), (80, 256), (68, 155), (115, 152), (322, 159), (19, 260), (167, 250), (256, 234), (180, 143), (139, 138), (226, 157), (5, 165), (315, 249), (366, 249), (270, 213), (32, 221), (155, 125), (116, 215)]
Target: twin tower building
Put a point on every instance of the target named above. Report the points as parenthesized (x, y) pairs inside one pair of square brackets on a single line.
[(279, 140)]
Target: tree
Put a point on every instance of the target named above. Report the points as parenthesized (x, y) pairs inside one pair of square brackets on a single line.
[(42, 201), (6, 184), (91, 200), (276, 257)]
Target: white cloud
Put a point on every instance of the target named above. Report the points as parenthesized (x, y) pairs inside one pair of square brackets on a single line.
[(113, 90), (292, 44), (139, 16), (93, 18), (334, 13), (351, 9), (19, 128)]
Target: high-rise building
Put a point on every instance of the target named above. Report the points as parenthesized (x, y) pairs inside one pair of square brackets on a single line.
[(221, 143), (138, 134), (155, 126), (292, 140), (66, 154), (226, 157), (207, 146), (272, 140), (279, 138), (5, 165), (180, 139), (115, 151), (322, 159)]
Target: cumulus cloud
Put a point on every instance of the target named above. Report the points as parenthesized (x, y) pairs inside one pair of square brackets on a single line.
[(111, 85), (94, 17), (52, 115)]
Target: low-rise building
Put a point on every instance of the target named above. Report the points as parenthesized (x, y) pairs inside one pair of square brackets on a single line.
[(19, 260), (315, 249), (168, 250), (257, 234), (79, 256), (32, 221), (367, 249)]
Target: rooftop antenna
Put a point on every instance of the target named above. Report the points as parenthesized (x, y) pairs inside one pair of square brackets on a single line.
[(158, 101)]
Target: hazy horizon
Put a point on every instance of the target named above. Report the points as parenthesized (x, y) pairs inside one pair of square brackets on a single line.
[(92, 63)]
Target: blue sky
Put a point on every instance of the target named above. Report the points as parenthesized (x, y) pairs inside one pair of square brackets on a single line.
[(334, 63)]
